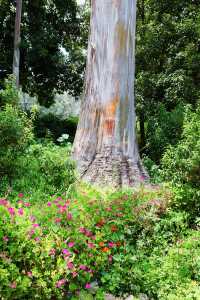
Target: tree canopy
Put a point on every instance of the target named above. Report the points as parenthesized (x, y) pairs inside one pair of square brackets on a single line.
[(51, 53)]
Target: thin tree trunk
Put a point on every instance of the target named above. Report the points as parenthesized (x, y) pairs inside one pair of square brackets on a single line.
[(105, 145), (17, 39)]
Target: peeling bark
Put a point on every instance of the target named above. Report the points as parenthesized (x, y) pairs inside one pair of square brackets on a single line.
[(105, 146)]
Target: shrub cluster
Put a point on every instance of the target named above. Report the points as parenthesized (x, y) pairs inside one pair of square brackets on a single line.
[(181, 165), (90, 243), (15, 131)]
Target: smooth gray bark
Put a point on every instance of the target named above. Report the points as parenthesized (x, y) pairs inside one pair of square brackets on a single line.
[(105, 146)]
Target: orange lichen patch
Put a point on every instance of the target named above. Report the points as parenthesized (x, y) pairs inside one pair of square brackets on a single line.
[(110, 109), (109, 127), (110, 114), (122, 35)]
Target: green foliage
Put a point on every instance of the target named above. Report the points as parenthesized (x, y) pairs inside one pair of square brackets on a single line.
[(10, 94), (167, 73), (25, 165), (152, 169), (55, 126), (181, 164), (78, 247), (47, 27), (43, 169), (15, 134), (163, 131), (15, 131)]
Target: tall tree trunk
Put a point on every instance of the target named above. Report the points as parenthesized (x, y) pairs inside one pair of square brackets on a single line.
[(17, 39), (105, 145)]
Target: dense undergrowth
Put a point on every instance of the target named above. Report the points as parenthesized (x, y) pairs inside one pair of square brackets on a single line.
[(80, 245), (60, 239)]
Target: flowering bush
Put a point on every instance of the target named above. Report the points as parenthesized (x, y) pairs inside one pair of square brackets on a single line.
[(78, 247)]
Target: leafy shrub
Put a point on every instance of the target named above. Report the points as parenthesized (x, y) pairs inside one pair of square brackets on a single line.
[(15, 130), (152, 169), (15, 135), (54, 164), (78, 247), (162, 130), (10, 94), (181, 165), (45, 169)]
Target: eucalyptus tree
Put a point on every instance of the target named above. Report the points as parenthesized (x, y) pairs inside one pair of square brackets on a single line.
[(105, 146)]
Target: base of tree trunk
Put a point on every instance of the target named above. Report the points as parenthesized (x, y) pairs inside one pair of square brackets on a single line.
[(111, 167)]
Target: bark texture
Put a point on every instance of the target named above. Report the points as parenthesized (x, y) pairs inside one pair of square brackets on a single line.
[(17, 39), (105, 146)]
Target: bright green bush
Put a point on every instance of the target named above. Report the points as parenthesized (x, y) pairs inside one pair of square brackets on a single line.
[(15, 134), (44, 169), (181, 165), (10, 94), (15, 131)]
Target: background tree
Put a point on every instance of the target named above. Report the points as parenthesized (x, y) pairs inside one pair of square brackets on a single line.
[(105, 145), (167, 73), (51, 47), (17, 37)]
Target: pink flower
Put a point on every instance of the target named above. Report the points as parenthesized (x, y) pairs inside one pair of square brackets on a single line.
[(66, 252), (37, 238), (71, 244), (74, 274), (83, 267), (27, 204), (20, 211), (69, 216), (88, 286), (70, 265), (90, 245), (32, 218), (20, 195), (52, 252), (57, 220), (88, 233), (60, 283), (3, 202), (31, 232), (49, 204), (36, 225), (111, 244), (11, 211), (29, 274), (62, 209), (5, 239), (110, 258), (13, 285), (82, 229)]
